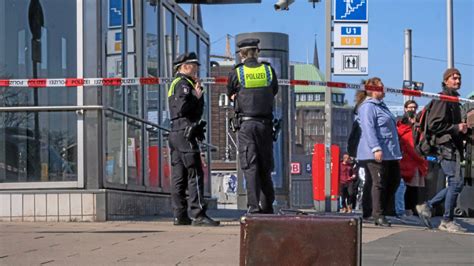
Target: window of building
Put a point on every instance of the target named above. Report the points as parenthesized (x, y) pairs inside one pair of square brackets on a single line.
[(344, 131), (321, 130), (38, 146), (310, 97), (317, 97), (303, 97), (168, 44), (192, 42), (180, 39), (152, 93)]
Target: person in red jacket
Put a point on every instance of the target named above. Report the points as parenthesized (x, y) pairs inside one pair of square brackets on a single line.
[(413, 167), (347, 179)]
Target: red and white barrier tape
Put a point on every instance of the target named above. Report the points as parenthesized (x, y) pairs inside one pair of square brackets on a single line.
[(89, 82)]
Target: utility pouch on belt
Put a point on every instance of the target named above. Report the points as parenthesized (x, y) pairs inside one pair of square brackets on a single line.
[(196, 131), (276, 128), (234, 123)]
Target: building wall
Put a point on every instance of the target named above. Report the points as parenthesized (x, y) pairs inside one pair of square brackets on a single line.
[(309, 128), (218, 117)]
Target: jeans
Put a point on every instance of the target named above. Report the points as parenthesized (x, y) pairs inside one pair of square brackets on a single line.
[(451, 192), (400, 199)]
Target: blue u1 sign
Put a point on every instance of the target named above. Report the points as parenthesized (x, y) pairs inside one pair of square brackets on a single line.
[(351, 10), (115, 13), (351, 30)]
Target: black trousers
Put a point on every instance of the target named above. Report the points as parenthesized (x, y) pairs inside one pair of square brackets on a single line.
[(348, 194), (186, 174), (256, 162), (411, 198), (385, 180)]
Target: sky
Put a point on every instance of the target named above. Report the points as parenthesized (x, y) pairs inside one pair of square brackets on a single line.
[(388, 20)]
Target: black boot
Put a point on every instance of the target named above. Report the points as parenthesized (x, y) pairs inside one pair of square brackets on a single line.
[(382, 221), (204, 220), (184, 220)]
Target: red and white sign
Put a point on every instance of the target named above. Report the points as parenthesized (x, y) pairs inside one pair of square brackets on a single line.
[(295, 168)]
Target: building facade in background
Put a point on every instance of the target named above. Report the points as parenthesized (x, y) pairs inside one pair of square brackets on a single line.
[(310, 116)]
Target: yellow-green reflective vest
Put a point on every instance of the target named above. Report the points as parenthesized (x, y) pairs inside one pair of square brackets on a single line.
[(173, 85), (254, 77)]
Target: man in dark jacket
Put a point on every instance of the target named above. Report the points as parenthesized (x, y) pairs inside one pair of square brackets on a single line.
[(445, 124), (252, 87), (186, 106)]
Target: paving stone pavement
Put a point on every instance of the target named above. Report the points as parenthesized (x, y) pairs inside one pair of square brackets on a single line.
[(155, 241)]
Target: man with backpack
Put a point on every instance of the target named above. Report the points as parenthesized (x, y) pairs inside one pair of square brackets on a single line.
[(447, 131)]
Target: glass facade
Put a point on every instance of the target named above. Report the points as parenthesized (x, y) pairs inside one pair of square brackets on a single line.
[(180, 37), (36, 41), (166, 35), (43, 146)]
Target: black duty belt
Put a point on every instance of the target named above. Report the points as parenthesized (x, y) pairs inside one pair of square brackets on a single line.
[(258, 119)]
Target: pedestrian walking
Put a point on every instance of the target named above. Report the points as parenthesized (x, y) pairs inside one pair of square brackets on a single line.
[(347, 181), (446, 127), (413, 167)]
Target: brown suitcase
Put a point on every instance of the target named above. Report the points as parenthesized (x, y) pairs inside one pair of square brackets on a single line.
[(300, 240)]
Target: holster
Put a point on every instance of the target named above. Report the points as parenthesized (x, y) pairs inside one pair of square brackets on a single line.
[(234, 123), (276, 129), (196, 131)]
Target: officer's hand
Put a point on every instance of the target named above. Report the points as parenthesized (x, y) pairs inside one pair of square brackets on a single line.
[(198, 90), (462, 127), (378, 155), (232, 97)]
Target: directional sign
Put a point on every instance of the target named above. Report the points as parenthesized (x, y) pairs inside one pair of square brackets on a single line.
[(308, 168), (295, 168), (115, 13), (351, 35), (351, 10), (351, 62)]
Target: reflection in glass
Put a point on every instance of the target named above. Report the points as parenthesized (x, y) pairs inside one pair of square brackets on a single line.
[(57, 150), (134, 153), (38, 146), (204, 72), (168, 45), (192, 42), (152, 93), (180, 37), (114, 149)]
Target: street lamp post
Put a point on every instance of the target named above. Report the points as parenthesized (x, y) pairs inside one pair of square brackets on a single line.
[(224, 102)]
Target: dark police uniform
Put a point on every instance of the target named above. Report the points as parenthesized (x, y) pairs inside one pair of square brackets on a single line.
[(255, 85), (186, 109)]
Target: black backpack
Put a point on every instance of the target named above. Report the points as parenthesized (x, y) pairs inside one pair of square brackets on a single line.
[(423, 140), (354, 138)]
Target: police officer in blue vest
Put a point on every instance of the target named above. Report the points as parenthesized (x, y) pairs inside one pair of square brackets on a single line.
[(252, 87), (186, 106)]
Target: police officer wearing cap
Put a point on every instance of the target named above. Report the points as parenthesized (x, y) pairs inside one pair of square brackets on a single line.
[(186, 106), (252, 87)]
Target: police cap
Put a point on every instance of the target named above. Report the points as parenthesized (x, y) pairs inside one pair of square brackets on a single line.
[(249, 43), (186, 58)]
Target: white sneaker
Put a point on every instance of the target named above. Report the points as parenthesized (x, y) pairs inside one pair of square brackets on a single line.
[(451, 227)]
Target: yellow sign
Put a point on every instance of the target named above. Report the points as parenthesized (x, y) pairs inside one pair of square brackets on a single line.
[(350, 41)]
